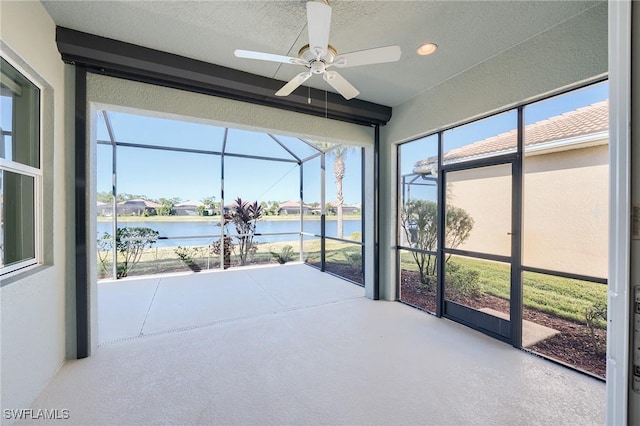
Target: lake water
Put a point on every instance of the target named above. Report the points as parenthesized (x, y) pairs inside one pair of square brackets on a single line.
[(210, 229)]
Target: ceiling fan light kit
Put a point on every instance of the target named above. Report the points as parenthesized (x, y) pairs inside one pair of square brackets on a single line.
[(319, 56)]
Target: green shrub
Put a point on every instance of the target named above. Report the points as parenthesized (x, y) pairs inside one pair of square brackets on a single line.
[(354, 259), (286, 254), (462, 282), (596, 317), (187, 254), (227, 248), (105, 245)]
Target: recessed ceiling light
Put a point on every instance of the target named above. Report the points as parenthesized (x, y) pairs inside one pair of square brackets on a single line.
[(427, 49)]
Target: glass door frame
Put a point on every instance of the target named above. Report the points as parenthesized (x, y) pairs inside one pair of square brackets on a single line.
[(508, 331)]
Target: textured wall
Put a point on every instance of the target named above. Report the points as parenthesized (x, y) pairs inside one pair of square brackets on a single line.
[(128, 94), (33, 303), (569, 53)]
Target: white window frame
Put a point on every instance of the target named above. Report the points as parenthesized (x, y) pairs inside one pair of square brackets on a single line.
[(36, 174)]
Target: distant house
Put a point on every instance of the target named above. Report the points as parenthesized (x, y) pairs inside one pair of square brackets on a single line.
[(137, 207), (104, 209), (188, 208), (350, 209), (293, 207), (346, 208)]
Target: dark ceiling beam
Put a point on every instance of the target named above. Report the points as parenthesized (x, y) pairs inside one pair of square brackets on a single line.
[(125, 60)]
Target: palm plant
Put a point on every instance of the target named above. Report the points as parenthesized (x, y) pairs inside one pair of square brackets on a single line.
[(339, 169)]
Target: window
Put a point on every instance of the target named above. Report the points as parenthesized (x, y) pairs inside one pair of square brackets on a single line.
[(418, 221), (20, 173), (470, 196)]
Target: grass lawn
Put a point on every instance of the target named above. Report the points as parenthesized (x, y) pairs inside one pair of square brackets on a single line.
[(166, 259), (335, 251), (562, 297)]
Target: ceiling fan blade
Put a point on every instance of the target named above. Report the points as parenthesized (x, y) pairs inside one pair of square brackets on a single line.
[(293, 84), (250, 54), (319, 24), (370, 56), (340, 84)]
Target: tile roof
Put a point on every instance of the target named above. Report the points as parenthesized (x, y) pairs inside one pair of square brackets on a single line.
[(139, 201), (189, 203), (580, 122), (292, 204)]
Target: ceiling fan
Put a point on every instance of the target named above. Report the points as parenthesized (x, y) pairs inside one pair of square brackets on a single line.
[(319, 56)]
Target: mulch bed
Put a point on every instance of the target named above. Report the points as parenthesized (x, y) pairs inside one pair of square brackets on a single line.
[(573, 346), (345, 271)]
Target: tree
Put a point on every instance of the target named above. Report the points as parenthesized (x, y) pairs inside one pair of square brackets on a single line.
[(126, 197), (209, 204), (274, 207), (105, 197), (167, 206), (130, 244), (420, 225), (329, 208), (458, 227), (339, 170)]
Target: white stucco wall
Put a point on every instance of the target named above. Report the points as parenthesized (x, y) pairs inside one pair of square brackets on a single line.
[(33, 325), (568, 54)]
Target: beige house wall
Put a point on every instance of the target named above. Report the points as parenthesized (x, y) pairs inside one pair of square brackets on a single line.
[(485, 194), (565, 209)]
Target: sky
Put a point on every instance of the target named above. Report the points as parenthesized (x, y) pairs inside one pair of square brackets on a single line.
[(193, 176)]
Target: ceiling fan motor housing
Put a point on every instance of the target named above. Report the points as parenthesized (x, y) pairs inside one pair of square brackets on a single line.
[(315, 65)]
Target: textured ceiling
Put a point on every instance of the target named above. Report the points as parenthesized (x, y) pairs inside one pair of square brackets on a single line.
[(467, 33)]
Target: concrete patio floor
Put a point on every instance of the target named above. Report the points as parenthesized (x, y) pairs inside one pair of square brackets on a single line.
[(291, 345), (137, 307)]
